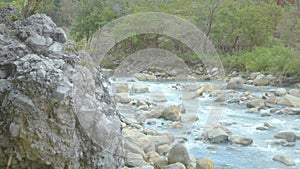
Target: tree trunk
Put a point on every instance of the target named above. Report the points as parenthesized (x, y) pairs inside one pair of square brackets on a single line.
[(211, 13), (234, 44)]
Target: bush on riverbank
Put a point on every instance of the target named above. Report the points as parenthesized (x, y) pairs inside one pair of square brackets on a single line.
[(275, 59)]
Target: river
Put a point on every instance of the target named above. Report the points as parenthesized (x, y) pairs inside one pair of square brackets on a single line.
[(225, 156)]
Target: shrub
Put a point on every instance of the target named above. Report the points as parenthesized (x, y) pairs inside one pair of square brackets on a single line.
[(108, 63), (275, 59)]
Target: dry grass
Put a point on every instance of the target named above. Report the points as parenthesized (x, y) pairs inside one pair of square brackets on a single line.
[(9, 161)]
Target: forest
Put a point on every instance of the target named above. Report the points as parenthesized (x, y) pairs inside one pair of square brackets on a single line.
[(249, 35)]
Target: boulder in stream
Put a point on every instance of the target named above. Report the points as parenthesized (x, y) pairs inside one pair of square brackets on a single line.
[(217, 135), (289, 100), (235, 83), (137, 88), (179, 153), (280, 92), (261, 80), (287, 135), (177, 165), (239, 139), (171, 113), (204, 163), (284, 159), (256, 103)]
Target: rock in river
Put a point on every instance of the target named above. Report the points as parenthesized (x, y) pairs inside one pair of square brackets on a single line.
[(235, 83), (205, 163), (280, 92), (137, 88), (289, 100), (287, 135), (179, 153), (261, 80), (256, 103), (239, 139), (284, 159), (174, 166), (217, 135), (171, 113)]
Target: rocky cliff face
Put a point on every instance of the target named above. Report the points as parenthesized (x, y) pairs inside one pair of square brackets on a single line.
[(54, 112)]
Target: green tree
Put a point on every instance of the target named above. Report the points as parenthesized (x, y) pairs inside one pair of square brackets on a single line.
[(91, 15), (241, 25), (30, 7), (289, 27)]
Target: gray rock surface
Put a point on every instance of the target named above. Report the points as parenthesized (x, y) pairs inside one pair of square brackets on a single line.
[(136, 88), (122, 98), (280, 92), (235, 83), (54, 113), (287, 135), (256, 103), (39, 32), (205, 163), (121, 87), (294, 92), (239, 139), (286, 160), (174, 166), (261, 80), (289, 100), (217, 135), (171, 113), (179, 153), (134, 160)]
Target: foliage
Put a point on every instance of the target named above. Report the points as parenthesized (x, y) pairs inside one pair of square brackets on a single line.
[(289, 27), (30, 7), (251, 32), (107, 64), (275, 59), (91, 15), (242, 25)]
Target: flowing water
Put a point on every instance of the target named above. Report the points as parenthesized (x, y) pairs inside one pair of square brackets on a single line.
[(226, 156)]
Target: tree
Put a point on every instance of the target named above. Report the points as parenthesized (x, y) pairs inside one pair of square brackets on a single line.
[(241, 25), (91, 15), (27, 8)]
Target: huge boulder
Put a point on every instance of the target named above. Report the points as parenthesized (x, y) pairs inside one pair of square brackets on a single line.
[(54, 113)]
